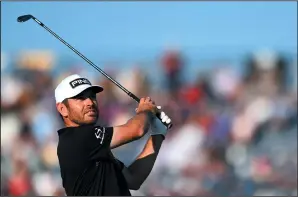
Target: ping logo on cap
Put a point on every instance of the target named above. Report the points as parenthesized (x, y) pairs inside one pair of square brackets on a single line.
[(80, 81)]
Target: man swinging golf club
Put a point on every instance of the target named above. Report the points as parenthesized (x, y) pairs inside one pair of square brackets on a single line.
[(88, 167)]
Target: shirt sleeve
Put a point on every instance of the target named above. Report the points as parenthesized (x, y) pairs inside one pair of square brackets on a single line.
[(97, 140), (103, 135)]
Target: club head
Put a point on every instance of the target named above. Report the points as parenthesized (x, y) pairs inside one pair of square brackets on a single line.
[(24, 18)]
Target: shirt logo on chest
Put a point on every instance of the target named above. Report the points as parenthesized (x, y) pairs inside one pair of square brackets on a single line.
[(100, 134)]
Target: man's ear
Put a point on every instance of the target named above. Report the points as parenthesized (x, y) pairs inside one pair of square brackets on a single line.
[(62, 109)]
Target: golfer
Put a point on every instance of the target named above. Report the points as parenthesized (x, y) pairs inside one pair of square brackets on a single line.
[(88, 167)]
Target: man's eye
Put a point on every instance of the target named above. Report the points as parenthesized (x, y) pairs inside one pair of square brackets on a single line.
[(81, 97), (85, 97)]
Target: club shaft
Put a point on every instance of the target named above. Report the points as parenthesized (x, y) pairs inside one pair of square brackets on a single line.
[(96, 67)]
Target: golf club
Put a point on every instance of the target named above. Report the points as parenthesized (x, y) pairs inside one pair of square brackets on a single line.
[(25, 18)]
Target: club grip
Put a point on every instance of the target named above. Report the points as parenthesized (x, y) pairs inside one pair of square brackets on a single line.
[(169, 125)]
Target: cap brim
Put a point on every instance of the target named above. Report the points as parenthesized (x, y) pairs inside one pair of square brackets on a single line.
[(95, 89)]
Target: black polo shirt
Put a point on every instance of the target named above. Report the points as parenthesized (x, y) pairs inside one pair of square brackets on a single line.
[(88, 167)]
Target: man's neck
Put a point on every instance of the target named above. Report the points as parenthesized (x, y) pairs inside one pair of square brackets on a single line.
[(71, 124), (77, 125)]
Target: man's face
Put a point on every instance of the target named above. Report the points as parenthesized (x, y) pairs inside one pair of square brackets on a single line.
[(82, 109)]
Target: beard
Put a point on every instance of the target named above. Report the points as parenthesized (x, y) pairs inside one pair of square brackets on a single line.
[(84, 118)]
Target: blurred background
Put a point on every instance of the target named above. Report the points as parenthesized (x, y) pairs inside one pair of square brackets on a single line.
[(226, 73)]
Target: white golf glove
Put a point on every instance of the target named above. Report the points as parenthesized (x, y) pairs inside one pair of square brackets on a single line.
[(157, 126)]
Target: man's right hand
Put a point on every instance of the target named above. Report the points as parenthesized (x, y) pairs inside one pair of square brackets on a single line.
[(147, 104)]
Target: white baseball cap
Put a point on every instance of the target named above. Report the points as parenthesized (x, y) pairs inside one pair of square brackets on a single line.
[(72, 86)]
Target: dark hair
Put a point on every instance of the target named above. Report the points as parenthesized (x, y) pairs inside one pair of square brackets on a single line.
[(65, 102)]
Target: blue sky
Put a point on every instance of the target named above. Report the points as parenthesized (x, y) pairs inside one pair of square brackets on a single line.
[(120, 26)]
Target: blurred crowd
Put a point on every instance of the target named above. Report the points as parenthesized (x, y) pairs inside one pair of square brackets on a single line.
[(235, 132)]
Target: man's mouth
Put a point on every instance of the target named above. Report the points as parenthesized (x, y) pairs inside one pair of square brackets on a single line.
[(91, 112)]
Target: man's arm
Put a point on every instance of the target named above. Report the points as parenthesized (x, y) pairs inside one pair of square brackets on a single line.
[(134, 129), (137, 126), (140, 169)]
